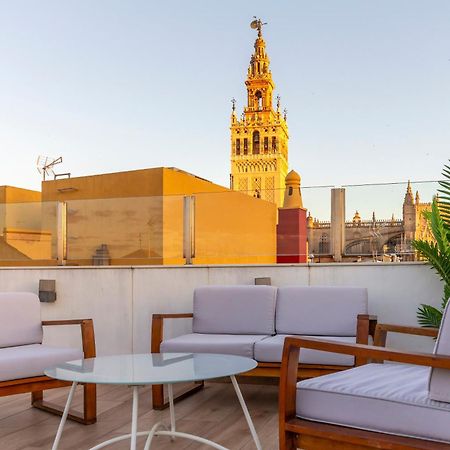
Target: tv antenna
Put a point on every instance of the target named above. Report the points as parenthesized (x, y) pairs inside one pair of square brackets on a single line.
[(45, 165)]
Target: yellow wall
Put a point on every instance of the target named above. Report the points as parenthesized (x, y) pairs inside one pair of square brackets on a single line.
[(21, 225), (139, 216), (234, 228)]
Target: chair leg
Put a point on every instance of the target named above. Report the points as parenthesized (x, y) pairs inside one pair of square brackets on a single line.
[(37, 396), (288, 440), (89, 415), (90, 403), (158, 394)]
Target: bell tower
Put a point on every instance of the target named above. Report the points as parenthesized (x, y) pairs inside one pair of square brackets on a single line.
[(259, 138)]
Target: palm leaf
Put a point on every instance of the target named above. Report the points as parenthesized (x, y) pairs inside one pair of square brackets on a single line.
[(428, 316), (438, 252)]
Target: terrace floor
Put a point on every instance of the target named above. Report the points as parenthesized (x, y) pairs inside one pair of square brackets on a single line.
[(213, 413)]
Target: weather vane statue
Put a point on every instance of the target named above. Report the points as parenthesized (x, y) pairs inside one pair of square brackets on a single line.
[(257, 24)]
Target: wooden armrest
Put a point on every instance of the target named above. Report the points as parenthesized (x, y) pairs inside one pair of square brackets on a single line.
[(382, 330), (173, 316), (63, 322), (367, 351), (87, 333), (158, 328)]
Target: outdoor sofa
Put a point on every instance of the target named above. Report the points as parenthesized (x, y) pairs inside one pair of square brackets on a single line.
[(23, 356), (254, 321)]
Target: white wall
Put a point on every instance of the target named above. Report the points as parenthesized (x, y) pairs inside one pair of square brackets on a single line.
[(121, 300)]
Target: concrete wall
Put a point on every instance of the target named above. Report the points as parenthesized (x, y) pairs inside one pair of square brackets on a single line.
[(121, 300)]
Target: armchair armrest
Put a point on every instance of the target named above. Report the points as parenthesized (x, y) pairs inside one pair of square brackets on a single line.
[(158, 328), (382, 330), (87, 333), (365, 327), (291, 350)]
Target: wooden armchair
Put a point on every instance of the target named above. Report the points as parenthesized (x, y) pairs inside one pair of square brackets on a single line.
[(23, 357), (390, 411)]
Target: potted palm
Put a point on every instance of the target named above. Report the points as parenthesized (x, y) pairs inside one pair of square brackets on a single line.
[(437, 253)]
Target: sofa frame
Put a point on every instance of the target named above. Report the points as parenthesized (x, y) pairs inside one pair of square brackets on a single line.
[(366, 325), (37, 385), (300, 433)]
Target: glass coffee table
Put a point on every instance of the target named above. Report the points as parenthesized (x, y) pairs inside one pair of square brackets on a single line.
[(146, 369)]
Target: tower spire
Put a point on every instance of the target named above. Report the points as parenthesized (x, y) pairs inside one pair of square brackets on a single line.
[(259, 140)]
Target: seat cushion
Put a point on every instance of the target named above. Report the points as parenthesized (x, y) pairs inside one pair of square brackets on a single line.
[(319, 310), (439, 382), (271, 350), (20, 319), (234, 309), (230, 344), (31, 360), (387, 398)]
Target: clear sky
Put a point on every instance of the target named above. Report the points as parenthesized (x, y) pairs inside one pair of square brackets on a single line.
[(114, 85)]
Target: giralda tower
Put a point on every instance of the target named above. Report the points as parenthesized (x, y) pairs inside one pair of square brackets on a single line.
[(259, 138)]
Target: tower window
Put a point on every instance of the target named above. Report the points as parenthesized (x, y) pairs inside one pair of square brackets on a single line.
[(238, 146), (245, 146), (258, 100), (266, 144), (256, 142), (274, 143)]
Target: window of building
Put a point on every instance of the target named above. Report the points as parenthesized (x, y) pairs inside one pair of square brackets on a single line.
[(258, 100), (274, 143), (256, 142), (266, 144), (238, 146), (245, 146)]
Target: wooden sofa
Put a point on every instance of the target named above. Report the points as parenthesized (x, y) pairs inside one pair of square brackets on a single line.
[(378, 406), (23, 357), (253, 321)]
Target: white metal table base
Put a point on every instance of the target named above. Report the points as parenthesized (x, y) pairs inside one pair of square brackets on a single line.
[(156, 429)]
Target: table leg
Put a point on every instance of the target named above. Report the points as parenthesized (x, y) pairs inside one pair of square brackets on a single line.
[(172, 410), (64, 416), (246, 413), (134, 417)]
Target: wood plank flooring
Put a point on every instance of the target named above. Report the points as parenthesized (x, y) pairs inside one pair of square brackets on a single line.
[(213, 413)]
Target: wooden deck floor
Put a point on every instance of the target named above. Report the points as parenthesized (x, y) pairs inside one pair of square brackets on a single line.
[(213, 413)]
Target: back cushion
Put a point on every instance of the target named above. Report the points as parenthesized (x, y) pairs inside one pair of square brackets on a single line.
[(440, 378), (234, 309), (20, 319), (319, 311)]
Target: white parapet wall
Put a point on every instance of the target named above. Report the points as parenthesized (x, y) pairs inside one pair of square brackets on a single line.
[(121, 300)]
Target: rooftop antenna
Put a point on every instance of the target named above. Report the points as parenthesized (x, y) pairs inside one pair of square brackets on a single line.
[(45, 165)]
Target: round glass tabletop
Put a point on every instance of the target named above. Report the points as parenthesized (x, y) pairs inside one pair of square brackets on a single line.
[(155, 368)]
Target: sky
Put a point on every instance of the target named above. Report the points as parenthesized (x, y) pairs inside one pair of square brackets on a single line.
[(113, 85)]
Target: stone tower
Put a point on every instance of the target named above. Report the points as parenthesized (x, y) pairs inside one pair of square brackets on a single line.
[(259, 138), (409, 215)]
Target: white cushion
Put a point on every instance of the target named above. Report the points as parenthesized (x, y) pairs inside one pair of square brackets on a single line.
[(234, 309), (319, 311), (271, 350), (439, 382), (20, 319), (31, 360), (387, 398), (230, 344)]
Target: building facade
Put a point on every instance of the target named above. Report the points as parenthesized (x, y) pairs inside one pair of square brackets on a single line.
[(372, 239), (259, 137)]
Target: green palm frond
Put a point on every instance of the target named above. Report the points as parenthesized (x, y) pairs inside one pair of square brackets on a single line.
[(438, 252), (428, 316)]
